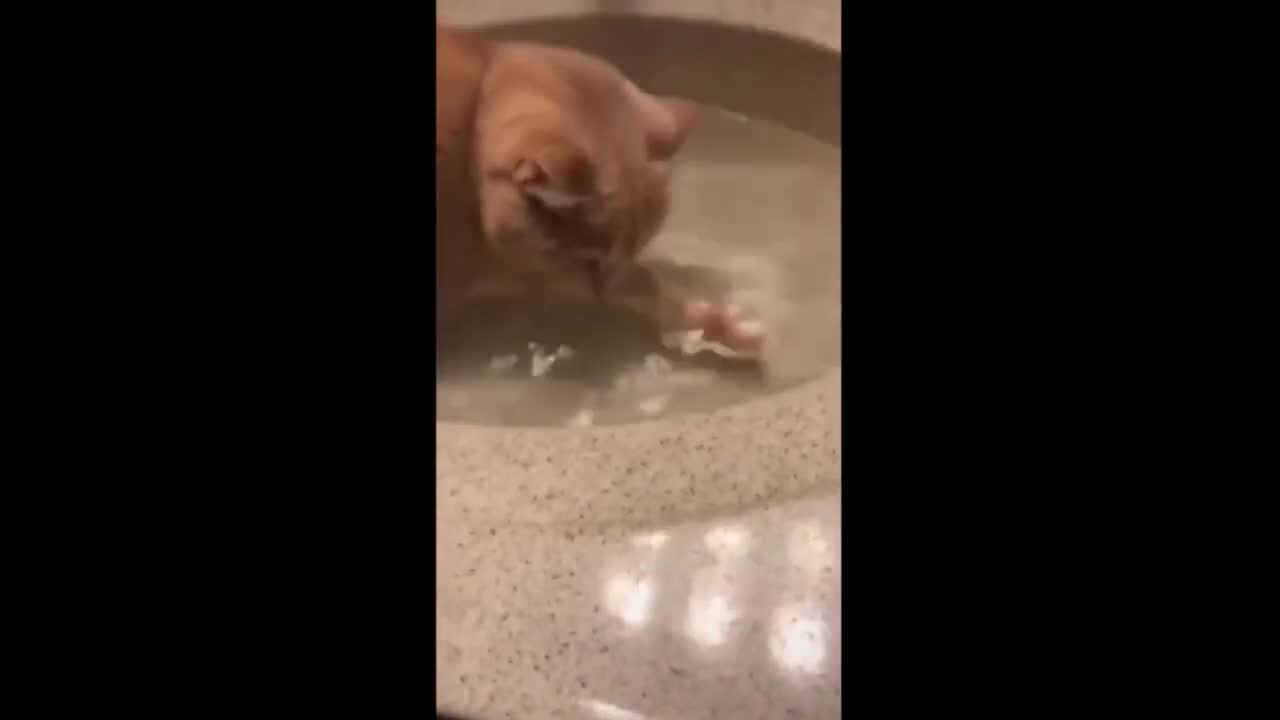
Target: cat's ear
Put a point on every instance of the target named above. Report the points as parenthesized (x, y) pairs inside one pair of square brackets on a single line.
[(670, 121), (559, 176)]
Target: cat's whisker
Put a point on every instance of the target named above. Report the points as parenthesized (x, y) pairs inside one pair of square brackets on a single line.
[(555, 198)]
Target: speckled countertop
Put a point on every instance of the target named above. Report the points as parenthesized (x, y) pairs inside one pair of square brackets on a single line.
[(680, 569), (686, 568)]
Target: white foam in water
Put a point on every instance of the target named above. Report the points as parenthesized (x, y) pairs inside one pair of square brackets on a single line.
[(583, 418), (654, 405), (655, 364), (503, 363), (541, 364), (691, 378)]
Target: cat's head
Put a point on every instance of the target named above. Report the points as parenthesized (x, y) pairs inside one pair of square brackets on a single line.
[(573, 161)]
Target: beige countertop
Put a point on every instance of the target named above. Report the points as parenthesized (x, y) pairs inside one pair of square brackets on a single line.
[(686, 568)]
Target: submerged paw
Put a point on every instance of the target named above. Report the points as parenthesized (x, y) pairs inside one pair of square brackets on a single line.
[(723, 325)]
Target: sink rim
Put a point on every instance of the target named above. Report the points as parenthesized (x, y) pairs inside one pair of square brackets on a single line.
[(687, 466), (814, 21)]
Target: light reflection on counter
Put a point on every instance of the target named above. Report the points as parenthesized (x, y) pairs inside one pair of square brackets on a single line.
[(798, 638), (727, 541), (630, 582), (630, 597), (711, 611), (808, 549), (609, 711), (650, 540), (796, 633)]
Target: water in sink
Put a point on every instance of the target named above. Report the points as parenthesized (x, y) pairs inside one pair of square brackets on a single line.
[(756, 205)]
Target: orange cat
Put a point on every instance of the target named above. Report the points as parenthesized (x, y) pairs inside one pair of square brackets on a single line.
[(553, 172)]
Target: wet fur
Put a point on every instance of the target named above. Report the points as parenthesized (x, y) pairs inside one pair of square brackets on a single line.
[(553, 173)]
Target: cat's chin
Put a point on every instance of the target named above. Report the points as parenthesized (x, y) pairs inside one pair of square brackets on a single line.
[(555, 273), (528, 264)]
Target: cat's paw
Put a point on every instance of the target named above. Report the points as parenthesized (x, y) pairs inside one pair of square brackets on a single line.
[(724, 325)]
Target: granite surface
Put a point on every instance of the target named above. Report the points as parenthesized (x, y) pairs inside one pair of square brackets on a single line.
[(684, 568)]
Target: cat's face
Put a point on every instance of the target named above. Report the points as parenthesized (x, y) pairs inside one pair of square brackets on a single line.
[(574, 163)]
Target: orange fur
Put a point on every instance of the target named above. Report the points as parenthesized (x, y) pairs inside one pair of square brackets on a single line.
[(553, 172)]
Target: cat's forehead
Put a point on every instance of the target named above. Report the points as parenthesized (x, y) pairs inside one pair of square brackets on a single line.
[(571, 78), (581, 67), (561, 94)]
